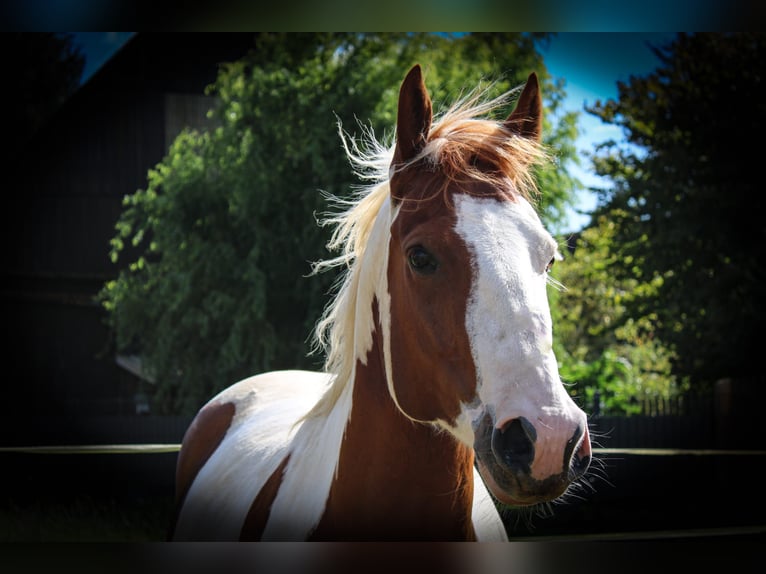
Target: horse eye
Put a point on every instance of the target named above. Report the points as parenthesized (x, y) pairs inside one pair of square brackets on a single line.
[(421, 260), (550, 265)]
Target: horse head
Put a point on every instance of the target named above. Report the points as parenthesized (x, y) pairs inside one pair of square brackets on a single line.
[(468, 334)]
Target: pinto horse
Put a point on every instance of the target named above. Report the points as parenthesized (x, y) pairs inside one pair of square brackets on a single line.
[(441, 391)]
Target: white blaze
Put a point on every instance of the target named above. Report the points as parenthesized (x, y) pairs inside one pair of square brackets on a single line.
[(508, 318)]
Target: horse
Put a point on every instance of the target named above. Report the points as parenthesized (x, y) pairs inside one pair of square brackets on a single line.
[(440, 399)]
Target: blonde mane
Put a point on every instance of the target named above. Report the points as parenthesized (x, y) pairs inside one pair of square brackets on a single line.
[(460, 144)]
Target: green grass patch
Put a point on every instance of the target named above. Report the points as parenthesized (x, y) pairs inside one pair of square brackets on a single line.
[(85, 519)]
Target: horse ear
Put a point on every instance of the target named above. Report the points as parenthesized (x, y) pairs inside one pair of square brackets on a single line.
[(526, 119), (414, 117)]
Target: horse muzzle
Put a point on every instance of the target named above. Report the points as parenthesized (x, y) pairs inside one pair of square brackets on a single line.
[(524, 464)]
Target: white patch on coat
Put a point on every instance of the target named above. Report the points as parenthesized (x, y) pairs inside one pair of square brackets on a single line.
[(262, 433), (308, 478)]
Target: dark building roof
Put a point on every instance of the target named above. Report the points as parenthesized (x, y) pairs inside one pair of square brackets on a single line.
[(62, 196)]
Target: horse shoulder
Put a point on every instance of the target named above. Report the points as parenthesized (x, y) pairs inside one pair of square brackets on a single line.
[(236, 446)]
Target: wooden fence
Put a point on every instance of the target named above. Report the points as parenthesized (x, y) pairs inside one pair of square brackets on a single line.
[(727, 418), (682, 422), (625, 491)]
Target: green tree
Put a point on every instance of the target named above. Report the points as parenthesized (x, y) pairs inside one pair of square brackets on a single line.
[(604, 348), (690, 185), (215, 251)]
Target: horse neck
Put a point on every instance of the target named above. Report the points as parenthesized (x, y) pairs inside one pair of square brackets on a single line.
[(396, 479)]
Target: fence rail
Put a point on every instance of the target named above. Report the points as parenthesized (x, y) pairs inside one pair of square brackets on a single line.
[(94, 449), (628, 488), (170, 448)]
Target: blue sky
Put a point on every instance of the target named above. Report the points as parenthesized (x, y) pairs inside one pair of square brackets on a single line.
[(591, 63), (98, 47)]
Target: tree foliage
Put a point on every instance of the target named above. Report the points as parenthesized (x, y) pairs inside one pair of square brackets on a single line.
[(690, 190), (216, 249), (609, 355)]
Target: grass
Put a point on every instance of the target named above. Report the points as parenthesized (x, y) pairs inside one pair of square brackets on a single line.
[(85, 519)]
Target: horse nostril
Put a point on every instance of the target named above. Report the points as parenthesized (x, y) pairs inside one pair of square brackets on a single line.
[(579, 466), (514, 444), (579, 461)]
